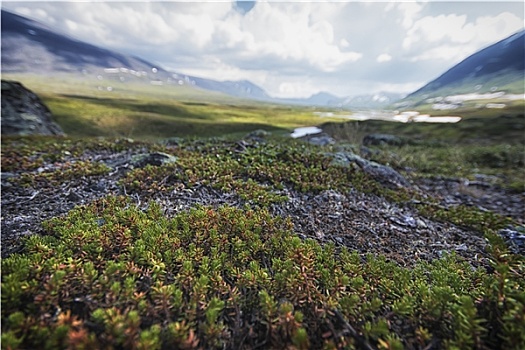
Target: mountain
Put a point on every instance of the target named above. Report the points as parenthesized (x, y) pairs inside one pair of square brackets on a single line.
[(320, 99), (31, 47), (241, 88), (370, 101), (497, 68)]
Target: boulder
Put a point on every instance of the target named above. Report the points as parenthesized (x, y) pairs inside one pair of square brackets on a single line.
[(259, 133), (321, 140), (382, 173), (154, 158), (381, 140), (23, 113), (515, 238)]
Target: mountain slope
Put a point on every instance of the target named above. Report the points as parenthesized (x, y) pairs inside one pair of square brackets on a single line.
[(370, 101), (500, 66), (31, 47), (28, 46)]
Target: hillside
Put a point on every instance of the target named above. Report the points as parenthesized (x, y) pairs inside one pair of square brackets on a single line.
[(32, 48), (496, 70), (29, 47)]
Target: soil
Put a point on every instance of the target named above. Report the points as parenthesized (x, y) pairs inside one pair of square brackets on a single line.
[(362, 222)]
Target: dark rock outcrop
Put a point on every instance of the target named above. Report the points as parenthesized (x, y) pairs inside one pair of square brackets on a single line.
[(23, 113), (154, 158), (382, 173), (515, 238), (381, 140), (321, 140)]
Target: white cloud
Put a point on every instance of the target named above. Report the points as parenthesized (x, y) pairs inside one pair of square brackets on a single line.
[(442, 52), (285, 33), (409, 11), (384, 57), (281, 34), (293, 89), (38, 14), (452, 38), (404, 88), (290, 48)]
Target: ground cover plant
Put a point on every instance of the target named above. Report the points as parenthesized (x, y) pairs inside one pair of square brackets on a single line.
[(484, 143), (258, 242), (255, 241)]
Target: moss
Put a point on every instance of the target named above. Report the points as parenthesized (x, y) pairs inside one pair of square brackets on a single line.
[(109, 275), (465, 216), (64, 172), (257, 173), (30, 153), (112, 275)]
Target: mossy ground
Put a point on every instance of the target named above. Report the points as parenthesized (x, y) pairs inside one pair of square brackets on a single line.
[(131, 268), (126, 272), (484, 142)]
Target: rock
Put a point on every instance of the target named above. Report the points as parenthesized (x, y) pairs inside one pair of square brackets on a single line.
[(23, 113), (154, 158), (367, 152), (381, 140), (5, 177), (320, 140), (256, 137), (381, 173), (172, 141), (405, 220), (258, 134), (515, 239), (73, 197)]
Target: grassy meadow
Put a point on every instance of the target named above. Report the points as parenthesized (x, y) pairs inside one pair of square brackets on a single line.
[(144, 111), (485, 141)]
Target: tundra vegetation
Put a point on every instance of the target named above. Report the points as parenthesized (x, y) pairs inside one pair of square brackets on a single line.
[(130, 270)]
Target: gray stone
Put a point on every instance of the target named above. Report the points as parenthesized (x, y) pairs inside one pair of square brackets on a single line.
[(381, 173), (259, 133), (5, 177), (73, 197), (381, 140), (155, 158), (173, 141), (322, 140), (515, 238), (23, 113)]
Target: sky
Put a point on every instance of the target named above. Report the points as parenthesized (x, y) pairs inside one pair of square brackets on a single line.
[(291, 48)]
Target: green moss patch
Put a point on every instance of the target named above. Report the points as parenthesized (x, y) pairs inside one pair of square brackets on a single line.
[(257, 173), (109, 275)]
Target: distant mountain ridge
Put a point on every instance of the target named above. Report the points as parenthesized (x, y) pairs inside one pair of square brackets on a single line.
[(371, 101), (498, 67), (29, 46)]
